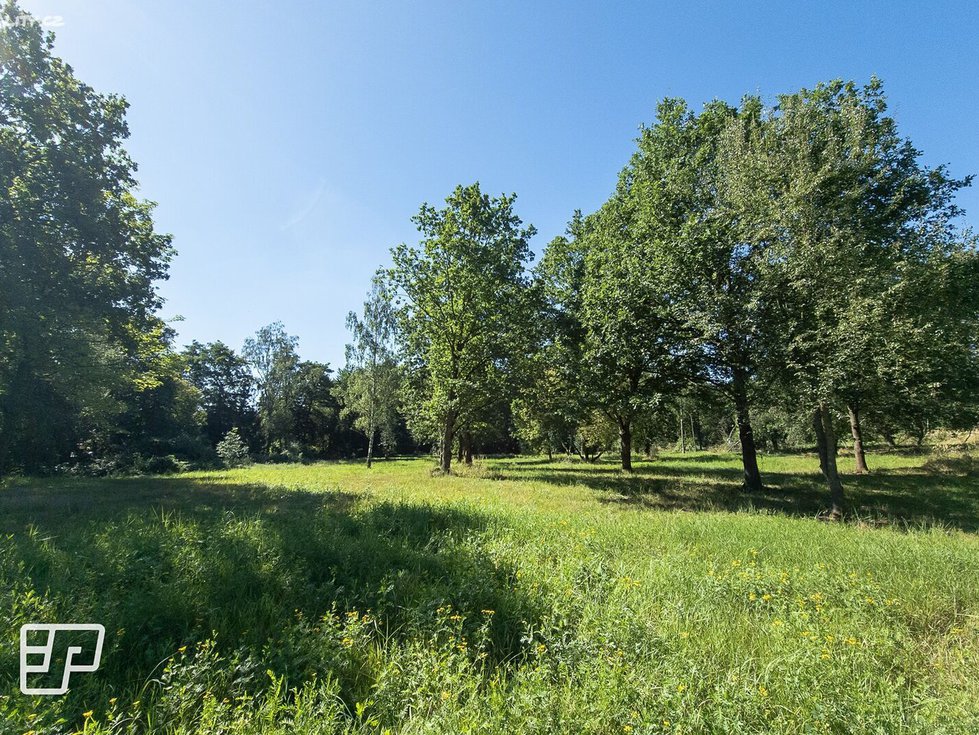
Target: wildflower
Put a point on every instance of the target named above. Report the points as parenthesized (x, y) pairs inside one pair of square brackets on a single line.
[(88, 714), (488, 612), (766, 598), (680, 688), (684, 634), (763, 691), (627, 728), (182, 649), (666, 724)]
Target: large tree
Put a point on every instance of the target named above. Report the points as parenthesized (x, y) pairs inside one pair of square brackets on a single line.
[(637, 350), (226, 384), (463, 309), (851, 213), (688, 178), (78, 254), (275, 361)]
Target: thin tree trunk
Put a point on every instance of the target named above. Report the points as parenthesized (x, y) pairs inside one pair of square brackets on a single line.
[(370, 447), (827, 446), (859, 456), (749, 453), (467, 451), (683, 440), (625, 444)]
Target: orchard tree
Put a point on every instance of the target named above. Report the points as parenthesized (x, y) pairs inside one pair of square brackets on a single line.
[(463, 309)]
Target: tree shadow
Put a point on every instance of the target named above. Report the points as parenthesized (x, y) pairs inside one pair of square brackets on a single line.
[(898, 498), (167, 562)]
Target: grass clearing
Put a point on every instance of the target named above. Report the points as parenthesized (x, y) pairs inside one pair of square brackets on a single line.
[(522, 596)]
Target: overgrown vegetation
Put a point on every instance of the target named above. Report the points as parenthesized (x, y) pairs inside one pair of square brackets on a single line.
[(525, 596)]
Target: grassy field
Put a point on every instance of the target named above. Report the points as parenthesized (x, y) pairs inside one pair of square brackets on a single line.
[(522, 596)]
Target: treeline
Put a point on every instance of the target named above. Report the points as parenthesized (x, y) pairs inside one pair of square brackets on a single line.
[(793, 268), (761, 277)]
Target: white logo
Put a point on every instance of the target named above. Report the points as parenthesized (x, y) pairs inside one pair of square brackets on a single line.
[(46, 651)]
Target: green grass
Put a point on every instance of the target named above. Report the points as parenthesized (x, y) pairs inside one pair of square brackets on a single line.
[(520, 597)]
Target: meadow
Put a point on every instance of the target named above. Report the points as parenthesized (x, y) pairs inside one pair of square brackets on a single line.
[(517, 596)]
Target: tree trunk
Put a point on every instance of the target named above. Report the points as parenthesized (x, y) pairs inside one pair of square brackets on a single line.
[(370, 448), (466, 440), (859, 457), (445, 455), (683, 440), (749, 454), (889, 438), (826, 445), (625, 444)]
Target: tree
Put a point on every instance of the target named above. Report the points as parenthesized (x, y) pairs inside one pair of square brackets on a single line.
[(272, 355), (79, 256), (226, 384), (232, 449), (462, 308), (851, 216), (636, 348), (369, 384), (685, 171)]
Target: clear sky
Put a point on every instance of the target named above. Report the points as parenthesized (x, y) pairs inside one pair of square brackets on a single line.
[(288, 143)]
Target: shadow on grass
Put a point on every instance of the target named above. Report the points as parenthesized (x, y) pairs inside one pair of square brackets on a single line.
[(886, 497), (166, 562)]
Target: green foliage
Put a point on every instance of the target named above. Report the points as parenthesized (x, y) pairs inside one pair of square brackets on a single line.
[(464, 310), (232, 449), (369, 387), (226, 384), (78, 256)]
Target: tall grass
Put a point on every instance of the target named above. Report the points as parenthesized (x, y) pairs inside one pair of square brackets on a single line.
[(520, 596)]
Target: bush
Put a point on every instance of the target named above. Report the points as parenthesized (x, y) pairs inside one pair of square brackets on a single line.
[(232, 449)]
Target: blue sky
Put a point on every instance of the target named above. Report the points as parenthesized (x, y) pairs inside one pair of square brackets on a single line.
[(289, 143)]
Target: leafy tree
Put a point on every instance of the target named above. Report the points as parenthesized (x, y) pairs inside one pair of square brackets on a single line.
[(637, 349), (313, 408), (683, 171), (272, 355), (849, 211), (369, 387), (78, 254), (232, 449), (226, 384), (463, 309)]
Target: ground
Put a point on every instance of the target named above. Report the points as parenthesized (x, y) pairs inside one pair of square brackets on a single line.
[(522, 596)]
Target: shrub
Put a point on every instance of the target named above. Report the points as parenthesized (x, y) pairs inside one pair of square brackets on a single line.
[(232, 449)]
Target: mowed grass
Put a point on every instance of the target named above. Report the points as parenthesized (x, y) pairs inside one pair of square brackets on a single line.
[(520, 596)]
